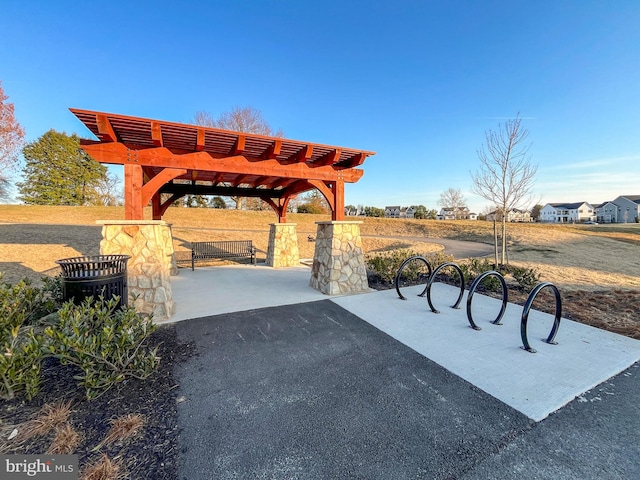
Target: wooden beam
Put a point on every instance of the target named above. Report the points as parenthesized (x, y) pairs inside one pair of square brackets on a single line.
[(329, 159), (154, 185), (238, 148), (302, 155), (274, 150), (190, 189), (355, 161), (105, 130), (116, 153), (239, 180), (156, 134), (260, 181), (200, 140), (327, 192)]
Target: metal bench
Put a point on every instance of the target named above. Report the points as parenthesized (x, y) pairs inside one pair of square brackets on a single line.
[(201, 251)]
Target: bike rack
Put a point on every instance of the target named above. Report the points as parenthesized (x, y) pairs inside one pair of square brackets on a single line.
[(404, 264), (432, 279), (525, 316), (472, 290)]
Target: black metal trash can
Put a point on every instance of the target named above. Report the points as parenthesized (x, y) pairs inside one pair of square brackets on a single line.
[(93, 276)]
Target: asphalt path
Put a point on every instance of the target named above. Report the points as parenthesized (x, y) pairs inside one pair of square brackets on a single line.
[(312, 391), (458, 248)]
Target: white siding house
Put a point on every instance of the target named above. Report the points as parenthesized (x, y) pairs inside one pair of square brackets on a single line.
[(568, 212), (398, 212), (456, 213)]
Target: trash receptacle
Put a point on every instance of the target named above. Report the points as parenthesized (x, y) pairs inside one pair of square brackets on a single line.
[(95, 276)]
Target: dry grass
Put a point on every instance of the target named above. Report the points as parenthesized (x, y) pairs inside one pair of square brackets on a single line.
[(585, 258), (65, 442), (103, 469), (47, 420), (123, 428)]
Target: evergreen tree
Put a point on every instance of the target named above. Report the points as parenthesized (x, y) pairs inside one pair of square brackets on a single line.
[(58, 172)]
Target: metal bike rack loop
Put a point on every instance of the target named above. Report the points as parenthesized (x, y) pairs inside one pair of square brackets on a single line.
[(525, 316), (432, 279), (404, 264), (472, 290)]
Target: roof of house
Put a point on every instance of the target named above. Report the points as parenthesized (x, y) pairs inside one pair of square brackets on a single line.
[(568, 206), (632, 198)]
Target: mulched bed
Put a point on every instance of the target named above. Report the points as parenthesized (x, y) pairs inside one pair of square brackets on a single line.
[(152, 453)]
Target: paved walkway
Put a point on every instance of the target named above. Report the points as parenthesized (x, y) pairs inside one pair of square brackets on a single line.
[(294, 384)]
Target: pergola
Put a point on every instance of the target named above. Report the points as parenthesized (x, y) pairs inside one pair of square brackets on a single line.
[(177, 159)]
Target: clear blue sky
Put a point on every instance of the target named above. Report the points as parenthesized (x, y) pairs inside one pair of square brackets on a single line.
[(419, 82)]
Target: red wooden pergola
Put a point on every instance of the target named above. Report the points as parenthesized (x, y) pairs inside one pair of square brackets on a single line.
[(171, 158)]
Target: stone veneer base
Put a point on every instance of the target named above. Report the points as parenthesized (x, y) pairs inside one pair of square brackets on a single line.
[(338, 262), (283, 246), (150, 245)]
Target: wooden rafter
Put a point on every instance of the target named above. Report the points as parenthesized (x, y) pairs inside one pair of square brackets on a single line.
[(179, 159)]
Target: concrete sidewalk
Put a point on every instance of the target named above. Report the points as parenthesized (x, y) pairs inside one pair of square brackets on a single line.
[(288, 383)]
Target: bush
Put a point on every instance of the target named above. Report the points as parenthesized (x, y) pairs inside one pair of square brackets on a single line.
[(105, 342), (527, 278), (21, 306), (474, 267), (386, 264)]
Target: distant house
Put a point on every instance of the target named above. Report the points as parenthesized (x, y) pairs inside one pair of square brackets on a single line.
[(568, 213), (398, 212), (607, 212), (456, 213), (628, 208), (513, 215), (392, 212)]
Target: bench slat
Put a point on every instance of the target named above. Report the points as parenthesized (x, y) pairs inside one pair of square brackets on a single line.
[(222, 249)]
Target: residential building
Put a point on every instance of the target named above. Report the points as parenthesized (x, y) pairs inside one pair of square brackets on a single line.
[(628, 208), (513, 215), (456, 213), (568, 213), (399, 212)]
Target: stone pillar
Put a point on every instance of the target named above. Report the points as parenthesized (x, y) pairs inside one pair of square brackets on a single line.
[(283, 246), (338, 261), (150, 245)]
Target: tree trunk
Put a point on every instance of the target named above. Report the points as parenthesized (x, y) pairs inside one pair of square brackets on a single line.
[(504, 240), (495, 242)]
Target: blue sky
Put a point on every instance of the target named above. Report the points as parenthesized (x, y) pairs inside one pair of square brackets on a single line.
[(418, 82)]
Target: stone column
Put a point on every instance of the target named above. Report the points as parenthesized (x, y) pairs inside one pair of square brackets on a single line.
[(283, 246), (338, 261), (150, 245)]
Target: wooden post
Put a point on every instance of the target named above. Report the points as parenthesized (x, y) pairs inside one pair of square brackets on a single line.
[(133, 192)]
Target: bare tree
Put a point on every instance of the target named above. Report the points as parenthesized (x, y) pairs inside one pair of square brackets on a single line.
[(11, 140), (239, 119), (454, 199), (108, 192), (506, 175)]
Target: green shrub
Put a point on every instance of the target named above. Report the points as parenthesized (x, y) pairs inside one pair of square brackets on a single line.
[(527, 278), (21, 306), (105, 342), (474, 267), (386, 264)]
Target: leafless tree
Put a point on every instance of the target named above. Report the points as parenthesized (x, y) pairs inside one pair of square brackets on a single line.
[(11, 140), (506, 176), (454, 199), (108, 191), (239, 119)]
